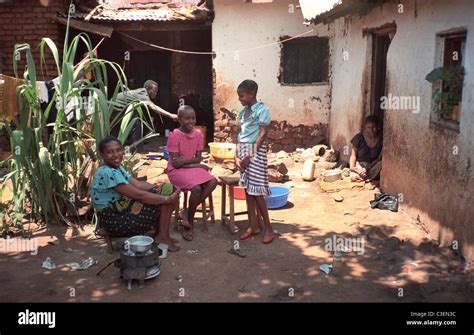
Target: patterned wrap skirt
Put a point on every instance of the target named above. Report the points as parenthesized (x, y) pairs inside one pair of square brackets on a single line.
[(255, 176), (127, 217)]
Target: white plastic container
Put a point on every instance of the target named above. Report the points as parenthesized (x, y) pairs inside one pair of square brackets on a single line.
[(308, 170)]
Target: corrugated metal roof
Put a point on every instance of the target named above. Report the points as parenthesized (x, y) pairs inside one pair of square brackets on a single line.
[(329, 10), (169, 11), (311, 8)]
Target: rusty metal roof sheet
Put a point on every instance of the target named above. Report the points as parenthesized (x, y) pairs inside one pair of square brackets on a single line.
[(330, 10), (169, 11)]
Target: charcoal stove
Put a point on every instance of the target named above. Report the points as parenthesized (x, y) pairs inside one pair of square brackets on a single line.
[(139, 266)]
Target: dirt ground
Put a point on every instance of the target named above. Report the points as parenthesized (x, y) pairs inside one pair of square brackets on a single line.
[(284, 271)]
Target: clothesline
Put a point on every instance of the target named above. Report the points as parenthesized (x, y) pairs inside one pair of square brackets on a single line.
[(214, 52)]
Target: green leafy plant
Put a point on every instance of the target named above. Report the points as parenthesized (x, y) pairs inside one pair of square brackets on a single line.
[(448, 93), (49, 178)]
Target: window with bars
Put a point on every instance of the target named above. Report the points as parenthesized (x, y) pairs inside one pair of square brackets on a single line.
[(304, 61)]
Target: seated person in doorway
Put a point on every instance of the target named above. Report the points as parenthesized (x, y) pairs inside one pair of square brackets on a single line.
[(185, 146), (126, 206), (366, 158)]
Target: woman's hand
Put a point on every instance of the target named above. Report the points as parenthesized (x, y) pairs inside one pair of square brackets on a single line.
[(361, 171)]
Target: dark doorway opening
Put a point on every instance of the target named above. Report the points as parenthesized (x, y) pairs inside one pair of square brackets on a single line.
[(183, 78), (381, 40), (154, 65)]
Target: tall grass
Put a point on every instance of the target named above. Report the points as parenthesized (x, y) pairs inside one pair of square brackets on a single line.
[(51, 178)]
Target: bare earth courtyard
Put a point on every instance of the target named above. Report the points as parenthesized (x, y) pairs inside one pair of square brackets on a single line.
[(390, 268)]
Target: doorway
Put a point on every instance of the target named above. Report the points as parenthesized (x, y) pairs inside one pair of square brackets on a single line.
[(381, 39), (156, 66)]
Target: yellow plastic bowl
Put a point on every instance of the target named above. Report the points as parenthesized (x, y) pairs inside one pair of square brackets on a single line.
[(222, 150)]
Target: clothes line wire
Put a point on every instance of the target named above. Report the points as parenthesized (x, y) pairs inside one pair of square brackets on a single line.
[(214, 52)]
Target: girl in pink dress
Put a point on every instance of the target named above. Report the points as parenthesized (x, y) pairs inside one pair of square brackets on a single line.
[(185, 170)]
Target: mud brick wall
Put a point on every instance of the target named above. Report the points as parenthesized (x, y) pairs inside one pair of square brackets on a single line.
[(27, 21), (281, 136), (225, 129)]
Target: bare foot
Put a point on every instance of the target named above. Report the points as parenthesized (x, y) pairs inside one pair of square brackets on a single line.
[(174, 240), (184, 219), (187, 234), (166, 240), (173, 248)]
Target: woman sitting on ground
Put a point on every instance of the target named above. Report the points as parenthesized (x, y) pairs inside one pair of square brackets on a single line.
[(126, 206), (366, 156)]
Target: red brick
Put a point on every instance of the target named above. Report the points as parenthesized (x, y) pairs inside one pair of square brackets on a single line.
[(286, 141)]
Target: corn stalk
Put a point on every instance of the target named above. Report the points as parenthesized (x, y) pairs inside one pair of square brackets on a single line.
[(51, 178)]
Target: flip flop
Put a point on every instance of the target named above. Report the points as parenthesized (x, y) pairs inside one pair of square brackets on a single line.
[(237, 252), (268, 239), (184, 222), (248, 234)]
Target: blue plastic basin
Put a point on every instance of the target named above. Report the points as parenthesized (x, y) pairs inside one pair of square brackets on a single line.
[(279, 197)]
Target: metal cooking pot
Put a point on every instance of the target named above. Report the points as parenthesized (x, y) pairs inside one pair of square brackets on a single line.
[(139, 243)]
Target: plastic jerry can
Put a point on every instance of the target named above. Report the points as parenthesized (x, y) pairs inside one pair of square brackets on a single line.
[(308, 170)]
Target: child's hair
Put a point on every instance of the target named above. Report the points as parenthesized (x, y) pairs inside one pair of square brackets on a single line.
[(372, 119), (249, 86), (106, 140), (185, 108)]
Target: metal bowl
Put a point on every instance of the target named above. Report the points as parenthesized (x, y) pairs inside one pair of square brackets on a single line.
[(139, 243)]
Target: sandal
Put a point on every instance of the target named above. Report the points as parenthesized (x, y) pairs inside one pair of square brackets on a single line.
[(267, 239), (248, 234), (184, 222)]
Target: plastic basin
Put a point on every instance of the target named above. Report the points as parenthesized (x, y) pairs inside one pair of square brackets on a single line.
[(222, 150), (239, 192), (279, 197)]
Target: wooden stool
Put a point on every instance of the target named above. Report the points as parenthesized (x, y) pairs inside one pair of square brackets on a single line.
[(100, 231), (206, 214), (231, 182), (108, 239)]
